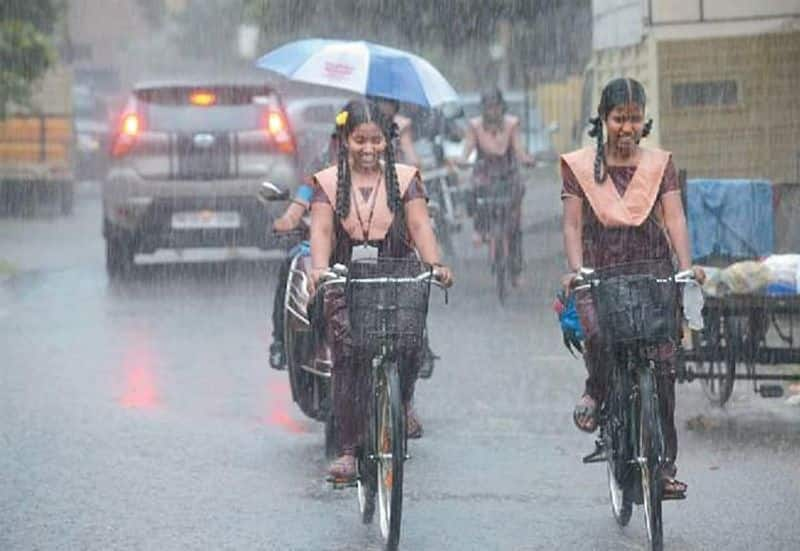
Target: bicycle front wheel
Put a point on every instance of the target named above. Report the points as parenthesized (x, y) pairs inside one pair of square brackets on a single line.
[(500, 268), (651, 452), (390, 453), (616, 438)]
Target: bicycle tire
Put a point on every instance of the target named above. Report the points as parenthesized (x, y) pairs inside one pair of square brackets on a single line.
[(616, 433), (390, 454), (651, 449), (720, 367), (500, 270)]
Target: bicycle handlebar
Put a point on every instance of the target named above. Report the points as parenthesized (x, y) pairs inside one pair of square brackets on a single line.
[(586, 277), (338, 276)]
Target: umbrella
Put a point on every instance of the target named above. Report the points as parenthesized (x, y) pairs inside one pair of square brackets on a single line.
[(362, 67)]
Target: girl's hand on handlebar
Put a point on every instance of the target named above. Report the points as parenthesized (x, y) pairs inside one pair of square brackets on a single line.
[(443, 274), (568, 281), (313, 278), (699, 274)]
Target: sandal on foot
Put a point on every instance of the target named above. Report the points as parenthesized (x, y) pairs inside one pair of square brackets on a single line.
[(585, 414), (343, 469), (672, 488)]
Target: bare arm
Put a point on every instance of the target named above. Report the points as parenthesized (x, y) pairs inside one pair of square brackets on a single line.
[(321, 239), (573, 232), (675, 220), (520, 152), (421, 232), (290, 219), (470, 142)]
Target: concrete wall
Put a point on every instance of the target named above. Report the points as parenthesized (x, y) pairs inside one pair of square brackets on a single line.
[(758, 135)]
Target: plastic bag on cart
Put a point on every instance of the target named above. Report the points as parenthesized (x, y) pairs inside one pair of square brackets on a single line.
[(744, 278), (784, 274)]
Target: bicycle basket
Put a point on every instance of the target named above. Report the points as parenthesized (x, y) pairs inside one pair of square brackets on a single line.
[(387, 310), (636, 308)]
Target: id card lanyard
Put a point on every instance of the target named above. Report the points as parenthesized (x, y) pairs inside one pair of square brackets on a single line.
[(365, 229)]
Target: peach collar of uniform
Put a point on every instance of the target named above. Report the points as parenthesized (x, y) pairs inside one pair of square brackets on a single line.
[(382, 215), (634, 206)]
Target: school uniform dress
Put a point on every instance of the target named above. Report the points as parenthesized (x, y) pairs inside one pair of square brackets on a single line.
[(623, 232)]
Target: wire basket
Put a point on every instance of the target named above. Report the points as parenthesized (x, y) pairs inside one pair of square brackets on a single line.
[(636, 308), (388, 310)]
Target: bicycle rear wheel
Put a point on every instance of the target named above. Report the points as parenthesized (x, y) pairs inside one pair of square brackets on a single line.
[(651, 451), (390, 454)]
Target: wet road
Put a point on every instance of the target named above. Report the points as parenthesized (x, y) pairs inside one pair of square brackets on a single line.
[(144, 416)]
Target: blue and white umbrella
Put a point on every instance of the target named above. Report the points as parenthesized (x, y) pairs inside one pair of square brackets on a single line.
[(362, 67)]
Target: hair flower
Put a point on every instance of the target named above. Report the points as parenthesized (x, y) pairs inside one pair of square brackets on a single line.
[(341, 118)]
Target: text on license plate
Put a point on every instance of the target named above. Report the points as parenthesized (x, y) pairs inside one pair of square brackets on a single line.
[(205, 219)]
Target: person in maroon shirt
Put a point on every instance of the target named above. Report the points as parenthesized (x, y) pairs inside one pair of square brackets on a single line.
[(366, 205), (622, 205)]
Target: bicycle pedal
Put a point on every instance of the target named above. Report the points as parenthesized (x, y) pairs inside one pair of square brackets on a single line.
[(341, 484), (673, 497), (597, 456)]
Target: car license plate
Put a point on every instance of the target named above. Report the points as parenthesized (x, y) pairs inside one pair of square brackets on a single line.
[(205, 219)]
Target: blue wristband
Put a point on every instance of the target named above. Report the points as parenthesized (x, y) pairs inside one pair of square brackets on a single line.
[(304, 193)]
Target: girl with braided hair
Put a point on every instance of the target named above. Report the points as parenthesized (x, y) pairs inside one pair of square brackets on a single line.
[(366, 204), (622, 205)]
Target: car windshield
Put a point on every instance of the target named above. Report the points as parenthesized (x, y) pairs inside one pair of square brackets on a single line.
[(214, 109)]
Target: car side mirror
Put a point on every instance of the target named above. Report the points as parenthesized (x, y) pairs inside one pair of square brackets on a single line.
[(268, 191)]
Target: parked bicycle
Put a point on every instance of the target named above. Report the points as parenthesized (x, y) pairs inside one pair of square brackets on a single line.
[(636, 312), (387, 305)]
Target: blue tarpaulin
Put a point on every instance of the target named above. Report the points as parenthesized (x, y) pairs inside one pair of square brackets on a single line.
[(730, 218)]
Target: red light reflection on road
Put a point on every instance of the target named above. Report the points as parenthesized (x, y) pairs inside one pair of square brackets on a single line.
[(279, 400), (138, 366)]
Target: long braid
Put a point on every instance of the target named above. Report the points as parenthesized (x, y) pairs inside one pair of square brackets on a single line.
[(393, 198), (600, 171), (343, 182)]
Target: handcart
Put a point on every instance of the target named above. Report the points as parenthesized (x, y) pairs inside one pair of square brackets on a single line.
[(753, 337)]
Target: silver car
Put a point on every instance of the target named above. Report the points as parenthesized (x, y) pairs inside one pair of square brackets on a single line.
[(186, 165)]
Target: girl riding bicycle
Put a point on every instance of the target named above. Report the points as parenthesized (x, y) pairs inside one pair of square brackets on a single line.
[(366, 206), (622, 205), (495, 135)]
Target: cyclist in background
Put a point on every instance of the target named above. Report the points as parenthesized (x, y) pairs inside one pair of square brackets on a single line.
[(496, 137)]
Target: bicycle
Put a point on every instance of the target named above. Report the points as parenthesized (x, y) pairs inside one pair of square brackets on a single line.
[(387, 305), (495, 204), (635, 311)]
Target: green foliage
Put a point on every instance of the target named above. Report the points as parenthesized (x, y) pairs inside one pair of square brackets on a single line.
[(25, 49)]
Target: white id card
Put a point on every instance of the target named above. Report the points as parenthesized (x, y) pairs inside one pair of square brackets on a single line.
[(364, 252)]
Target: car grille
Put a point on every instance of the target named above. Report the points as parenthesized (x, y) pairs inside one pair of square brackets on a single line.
[(203, 156)]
